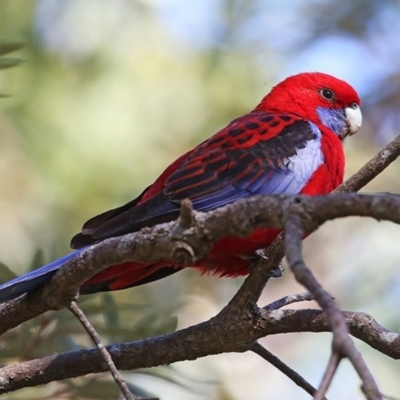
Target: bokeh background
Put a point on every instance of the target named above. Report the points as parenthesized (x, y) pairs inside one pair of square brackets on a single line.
[(112, 91)]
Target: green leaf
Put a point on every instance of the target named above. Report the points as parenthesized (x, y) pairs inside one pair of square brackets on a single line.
[(9, 46), (110, 310), (98, 389), (140, 392), (174, 376), (153, 324), (4, 95), (9, 62), (5, 273)]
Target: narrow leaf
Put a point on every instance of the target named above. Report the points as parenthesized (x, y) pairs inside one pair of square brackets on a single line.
[(5, 273), (8, 47), (9, 62), (110, 310)]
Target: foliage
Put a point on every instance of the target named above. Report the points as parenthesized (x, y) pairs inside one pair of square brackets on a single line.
[(9, 62)]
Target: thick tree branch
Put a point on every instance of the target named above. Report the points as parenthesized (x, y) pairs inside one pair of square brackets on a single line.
[(188, 239), (64, 285), (163, 241), (160, 242), (215, 336)]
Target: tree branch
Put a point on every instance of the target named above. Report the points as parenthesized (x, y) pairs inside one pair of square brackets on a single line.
[(75, 309), (161, 242), (342, 345), (331, 369), (372, 168), (214, 336), (290, 299), (241, 322), (62, 289), (285, 369)]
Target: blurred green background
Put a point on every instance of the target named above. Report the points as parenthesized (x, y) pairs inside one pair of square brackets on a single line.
[(112, 91)]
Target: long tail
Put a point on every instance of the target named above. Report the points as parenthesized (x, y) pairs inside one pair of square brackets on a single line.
[(116, 277), (33, 280)]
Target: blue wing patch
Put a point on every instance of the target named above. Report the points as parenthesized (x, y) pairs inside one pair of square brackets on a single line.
[(276, 158)]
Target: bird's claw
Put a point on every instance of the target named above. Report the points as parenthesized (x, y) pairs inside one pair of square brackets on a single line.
[(275, 272)]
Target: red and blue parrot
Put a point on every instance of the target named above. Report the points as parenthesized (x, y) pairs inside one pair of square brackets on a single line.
[(290, 143)]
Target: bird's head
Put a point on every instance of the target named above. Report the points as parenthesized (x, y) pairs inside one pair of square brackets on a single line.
[(320, 98)]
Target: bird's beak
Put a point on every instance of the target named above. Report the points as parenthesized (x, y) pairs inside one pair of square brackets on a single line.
[(354, 121)]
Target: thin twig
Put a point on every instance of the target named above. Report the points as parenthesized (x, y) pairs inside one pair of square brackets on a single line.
[(387, 397), (290, 299), (372, 168), (76, 310), (342, 343), (256, 348), (330, 371)]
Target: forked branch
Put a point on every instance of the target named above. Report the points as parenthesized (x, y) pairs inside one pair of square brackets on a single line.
[(241, 323)]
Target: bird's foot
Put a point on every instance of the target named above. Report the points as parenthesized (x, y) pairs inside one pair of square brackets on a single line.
[(275, 272)]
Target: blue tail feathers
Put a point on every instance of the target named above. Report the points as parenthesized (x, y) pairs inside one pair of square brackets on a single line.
[(33, 280)]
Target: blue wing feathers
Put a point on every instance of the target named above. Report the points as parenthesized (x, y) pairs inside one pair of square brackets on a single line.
[(34, 279), (221, 170), (260, 153)]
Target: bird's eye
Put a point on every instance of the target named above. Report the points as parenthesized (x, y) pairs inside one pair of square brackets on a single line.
[(354, 106), (327, 94)]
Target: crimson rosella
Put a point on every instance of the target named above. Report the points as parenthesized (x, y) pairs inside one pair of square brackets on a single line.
[(290, 143)]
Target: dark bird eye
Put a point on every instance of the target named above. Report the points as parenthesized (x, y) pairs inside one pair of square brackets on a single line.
[(354, 106), (327, 93)]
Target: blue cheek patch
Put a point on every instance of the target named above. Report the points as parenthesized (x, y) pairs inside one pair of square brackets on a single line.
[(334, 119)]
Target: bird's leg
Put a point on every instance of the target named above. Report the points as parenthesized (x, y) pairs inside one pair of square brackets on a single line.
[(259, 256)]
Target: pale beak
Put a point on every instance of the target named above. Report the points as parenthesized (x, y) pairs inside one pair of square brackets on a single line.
[(354, 120)]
